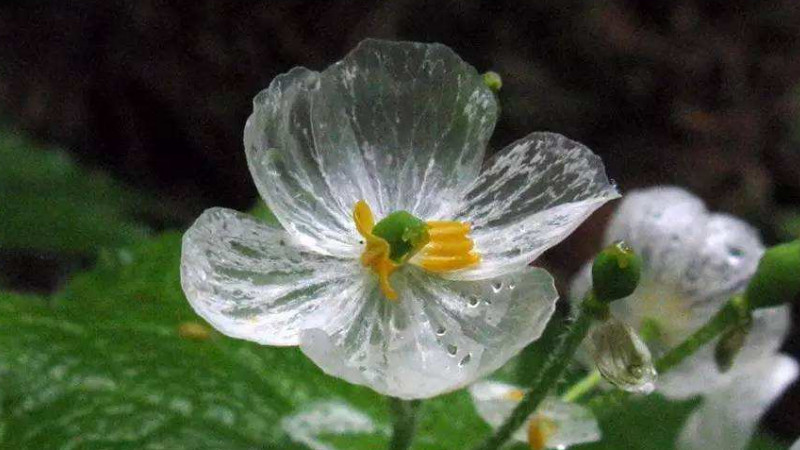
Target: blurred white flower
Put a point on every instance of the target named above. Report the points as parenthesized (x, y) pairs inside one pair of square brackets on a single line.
[(555, 424), (392, 127), (309, 425), (693, 262)]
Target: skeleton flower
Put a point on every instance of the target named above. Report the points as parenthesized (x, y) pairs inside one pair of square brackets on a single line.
[(399, 265), (693, 262), (555, 424)]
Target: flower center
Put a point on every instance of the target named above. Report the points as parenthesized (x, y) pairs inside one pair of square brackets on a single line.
[(443, 246), (540, 429)]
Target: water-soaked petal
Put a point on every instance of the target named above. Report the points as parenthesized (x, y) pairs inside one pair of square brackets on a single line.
[(621, 357), (729, 414), (533, 194), (251, 281), (440, 335)]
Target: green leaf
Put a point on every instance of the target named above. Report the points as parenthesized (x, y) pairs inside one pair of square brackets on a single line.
[(51, 204)]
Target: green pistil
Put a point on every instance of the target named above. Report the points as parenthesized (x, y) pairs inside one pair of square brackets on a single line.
[(405, 233)]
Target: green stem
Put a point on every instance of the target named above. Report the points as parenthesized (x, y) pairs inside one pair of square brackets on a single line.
[(550, 374), (733, 313), (404, 413), (582, 387)]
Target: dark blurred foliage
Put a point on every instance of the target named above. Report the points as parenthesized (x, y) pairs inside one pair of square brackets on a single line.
[(701, 94)]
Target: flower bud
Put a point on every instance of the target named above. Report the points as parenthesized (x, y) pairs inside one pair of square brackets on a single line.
[(493, 81), (777, 279), (615, 272), (621, 357), (729, 345)]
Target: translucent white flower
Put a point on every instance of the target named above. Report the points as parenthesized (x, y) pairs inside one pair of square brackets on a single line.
[(796, 445), (693, 262), (555, 424), (411, 304)]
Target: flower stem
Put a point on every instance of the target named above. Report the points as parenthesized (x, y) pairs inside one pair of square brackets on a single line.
[(405, 422), (733, 313), (551, 372), (582, 387)]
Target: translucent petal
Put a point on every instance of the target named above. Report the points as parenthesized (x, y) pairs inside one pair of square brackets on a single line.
[(796, 445), (251, 281), (699, 374), (439, 336), (325, 418), (400, 125), (575, 424), (621, 356), (279, 145), (728, 416), (413, 118), (533, 194)]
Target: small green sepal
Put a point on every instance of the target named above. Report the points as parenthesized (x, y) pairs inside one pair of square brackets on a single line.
[(616, 272), (777, 279)]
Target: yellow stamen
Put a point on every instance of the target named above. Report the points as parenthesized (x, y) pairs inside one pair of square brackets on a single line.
[(449, 249), (376, 254), (540, 429), (515, 395)]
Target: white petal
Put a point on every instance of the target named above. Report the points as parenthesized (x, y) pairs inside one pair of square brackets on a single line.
[(400, 125), (699, 374), (410, 119), (326, 418), (575, 424), (728, 416), (494, 401), (534, 193), (796, 445), (439, 336), (250, 281), (279, 145)]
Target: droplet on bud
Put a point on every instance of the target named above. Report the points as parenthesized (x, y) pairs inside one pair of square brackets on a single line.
[(621, 357)]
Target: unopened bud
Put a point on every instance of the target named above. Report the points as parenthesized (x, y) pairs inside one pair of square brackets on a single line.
[(777, 279), (729, 346), (615, 272), (621, 357), (493, 81)]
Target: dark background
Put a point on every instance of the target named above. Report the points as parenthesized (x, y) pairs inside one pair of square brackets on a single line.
[(702, 94)]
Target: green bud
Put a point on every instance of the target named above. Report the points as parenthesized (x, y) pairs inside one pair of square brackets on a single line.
[(615, 272), (777, 279), (729, 346), (405, 233), (621, 357), (493, 81)]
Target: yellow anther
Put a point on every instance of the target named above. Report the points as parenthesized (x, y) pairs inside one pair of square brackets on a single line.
[(449, 249), (540, 429), (515, 395), (443, 246), (376, 253)]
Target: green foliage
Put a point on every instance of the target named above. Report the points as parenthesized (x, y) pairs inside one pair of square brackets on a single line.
[(51, 204), (120, 360)]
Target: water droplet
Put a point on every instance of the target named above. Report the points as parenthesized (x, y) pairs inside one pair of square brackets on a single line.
[(473, 301), (452, 349), (511, 286), (441, 331), (735, 252), (497, 286), (465, 360)]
